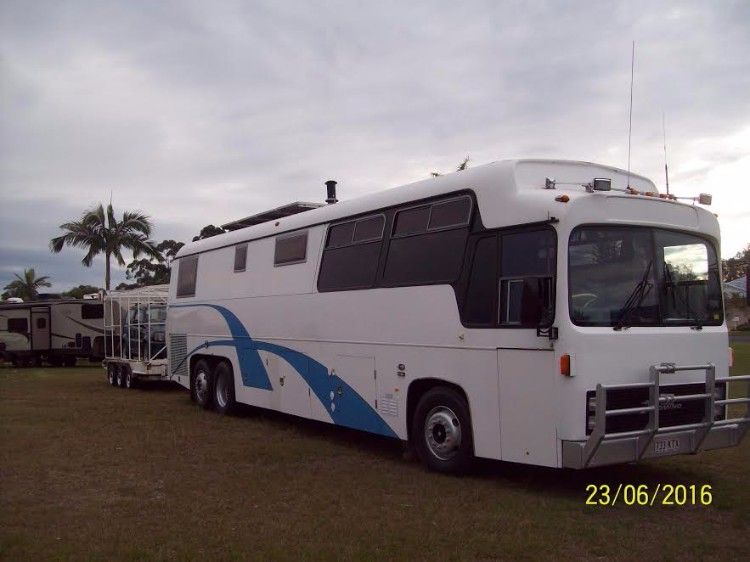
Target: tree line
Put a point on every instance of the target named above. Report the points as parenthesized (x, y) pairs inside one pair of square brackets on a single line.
[(99, 231)]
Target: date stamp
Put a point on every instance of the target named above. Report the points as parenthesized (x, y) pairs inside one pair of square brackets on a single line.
[(604, 495)]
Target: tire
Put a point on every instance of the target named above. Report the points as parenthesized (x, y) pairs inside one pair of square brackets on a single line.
[(224, 400), (128, 379), (121, 376), (112, 373), (201, 384), (441, 431)]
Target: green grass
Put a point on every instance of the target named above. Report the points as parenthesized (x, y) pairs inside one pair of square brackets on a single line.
[(90, 472)]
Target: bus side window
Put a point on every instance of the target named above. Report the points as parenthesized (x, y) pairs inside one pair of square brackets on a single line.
[(527, 271), (187, 273), (480, 295)]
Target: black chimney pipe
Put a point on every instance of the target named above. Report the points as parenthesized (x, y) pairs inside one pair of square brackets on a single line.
[(331, 189)]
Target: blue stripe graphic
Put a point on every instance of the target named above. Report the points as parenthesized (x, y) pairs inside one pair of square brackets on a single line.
[(345, 406)]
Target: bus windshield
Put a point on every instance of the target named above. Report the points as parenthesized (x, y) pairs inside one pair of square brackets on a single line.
[(641, 276)]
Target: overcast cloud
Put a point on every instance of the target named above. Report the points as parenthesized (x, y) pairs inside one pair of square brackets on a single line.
[(204, 112)]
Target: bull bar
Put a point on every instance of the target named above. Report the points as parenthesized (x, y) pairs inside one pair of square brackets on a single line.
[(602, 448)]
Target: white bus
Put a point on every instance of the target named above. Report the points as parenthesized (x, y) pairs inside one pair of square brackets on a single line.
[(495, 312)]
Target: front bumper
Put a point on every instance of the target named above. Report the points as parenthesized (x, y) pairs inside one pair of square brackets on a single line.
[(603, 448)]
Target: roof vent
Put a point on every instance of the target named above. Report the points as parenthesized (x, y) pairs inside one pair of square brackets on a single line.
[(331, 189)]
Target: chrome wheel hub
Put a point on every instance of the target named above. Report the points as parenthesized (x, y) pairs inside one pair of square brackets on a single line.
[(442, 433)]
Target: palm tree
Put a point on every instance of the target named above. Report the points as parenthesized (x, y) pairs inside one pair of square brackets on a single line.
[(26, 287), (100, 233)]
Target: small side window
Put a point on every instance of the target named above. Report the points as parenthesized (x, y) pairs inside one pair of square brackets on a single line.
[(290, 249), (369, 229), (187, 274), (455, 212), (240, 257), (41, 323), (18, 325), (92, 311)]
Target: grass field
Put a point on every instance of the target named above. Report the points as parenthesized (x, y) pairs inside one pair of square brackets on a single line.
[(90, 472)]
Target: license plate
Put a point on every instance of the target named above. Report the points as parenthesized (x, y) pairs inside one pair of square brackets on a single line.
[(666, 446)]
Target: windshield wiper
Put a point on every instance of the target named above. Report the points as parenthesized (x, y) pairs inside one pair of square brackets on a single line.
[(635, 298)]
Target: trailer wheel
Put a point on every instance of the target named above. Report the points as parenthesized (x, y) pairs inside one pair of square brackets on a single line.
[(121, 376), (112, 373), (224, 401), (201, 387), (441, 431), (129, 378)]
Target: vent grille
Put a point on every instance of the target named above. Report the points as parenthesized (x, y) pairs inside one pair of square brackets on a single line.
[(178, 364)]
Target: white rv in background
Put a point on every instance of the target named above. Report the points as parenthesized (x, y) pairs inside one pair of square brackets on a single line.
[(555, 313), (55, 331)]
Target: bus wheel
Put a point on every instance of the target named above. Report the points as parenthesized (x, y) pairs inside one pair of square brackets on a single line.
[(202, 387), (224, 401), (441, 431), (112, 374)]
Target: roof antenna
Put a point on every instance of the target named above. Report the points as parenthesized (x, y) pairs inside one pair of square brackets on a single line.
[(630, 118), (664, 131)]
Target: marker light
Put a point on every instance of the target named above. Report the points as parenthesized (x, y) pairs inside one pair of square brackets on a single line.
[(565, 365), (705, 198), (562, 198)]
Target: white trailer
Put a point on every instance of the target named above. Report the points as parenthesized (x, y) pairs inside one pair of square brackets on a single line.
[(563, 314), (135, 328), (55, 331)]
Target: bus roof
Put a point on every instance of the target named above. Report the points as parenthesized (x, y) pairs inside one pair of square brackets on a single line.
[(505, 179)]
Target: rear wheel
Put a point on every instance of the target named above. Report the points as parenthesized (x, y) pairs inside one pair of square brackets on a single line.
[(224, 401), (121, 376), (441, 431), (112, 374), (202, 384), (129, 378)]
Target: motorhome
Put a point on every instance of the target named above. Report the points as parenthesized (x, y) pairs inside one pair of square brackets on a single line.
[(55, 331), (555, 313)]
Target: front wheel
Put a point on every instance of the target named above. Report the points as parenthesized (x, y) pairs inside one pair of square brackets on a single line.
[(202, 384), (441, 431)]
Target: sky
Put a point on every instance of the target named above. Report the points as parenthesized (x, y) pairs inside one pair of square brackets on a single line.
[(201, 113)]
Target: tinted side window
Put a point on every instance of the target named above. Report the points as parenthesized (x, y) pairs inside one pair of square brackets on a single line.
[(340, 235), (92, 311), (19, 325), (350, 267), (479, 307), (240, 257), (412, 221), (187, 273), (435, 257), (527, 269), (290, 249), (370, 228), (454, 212)]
